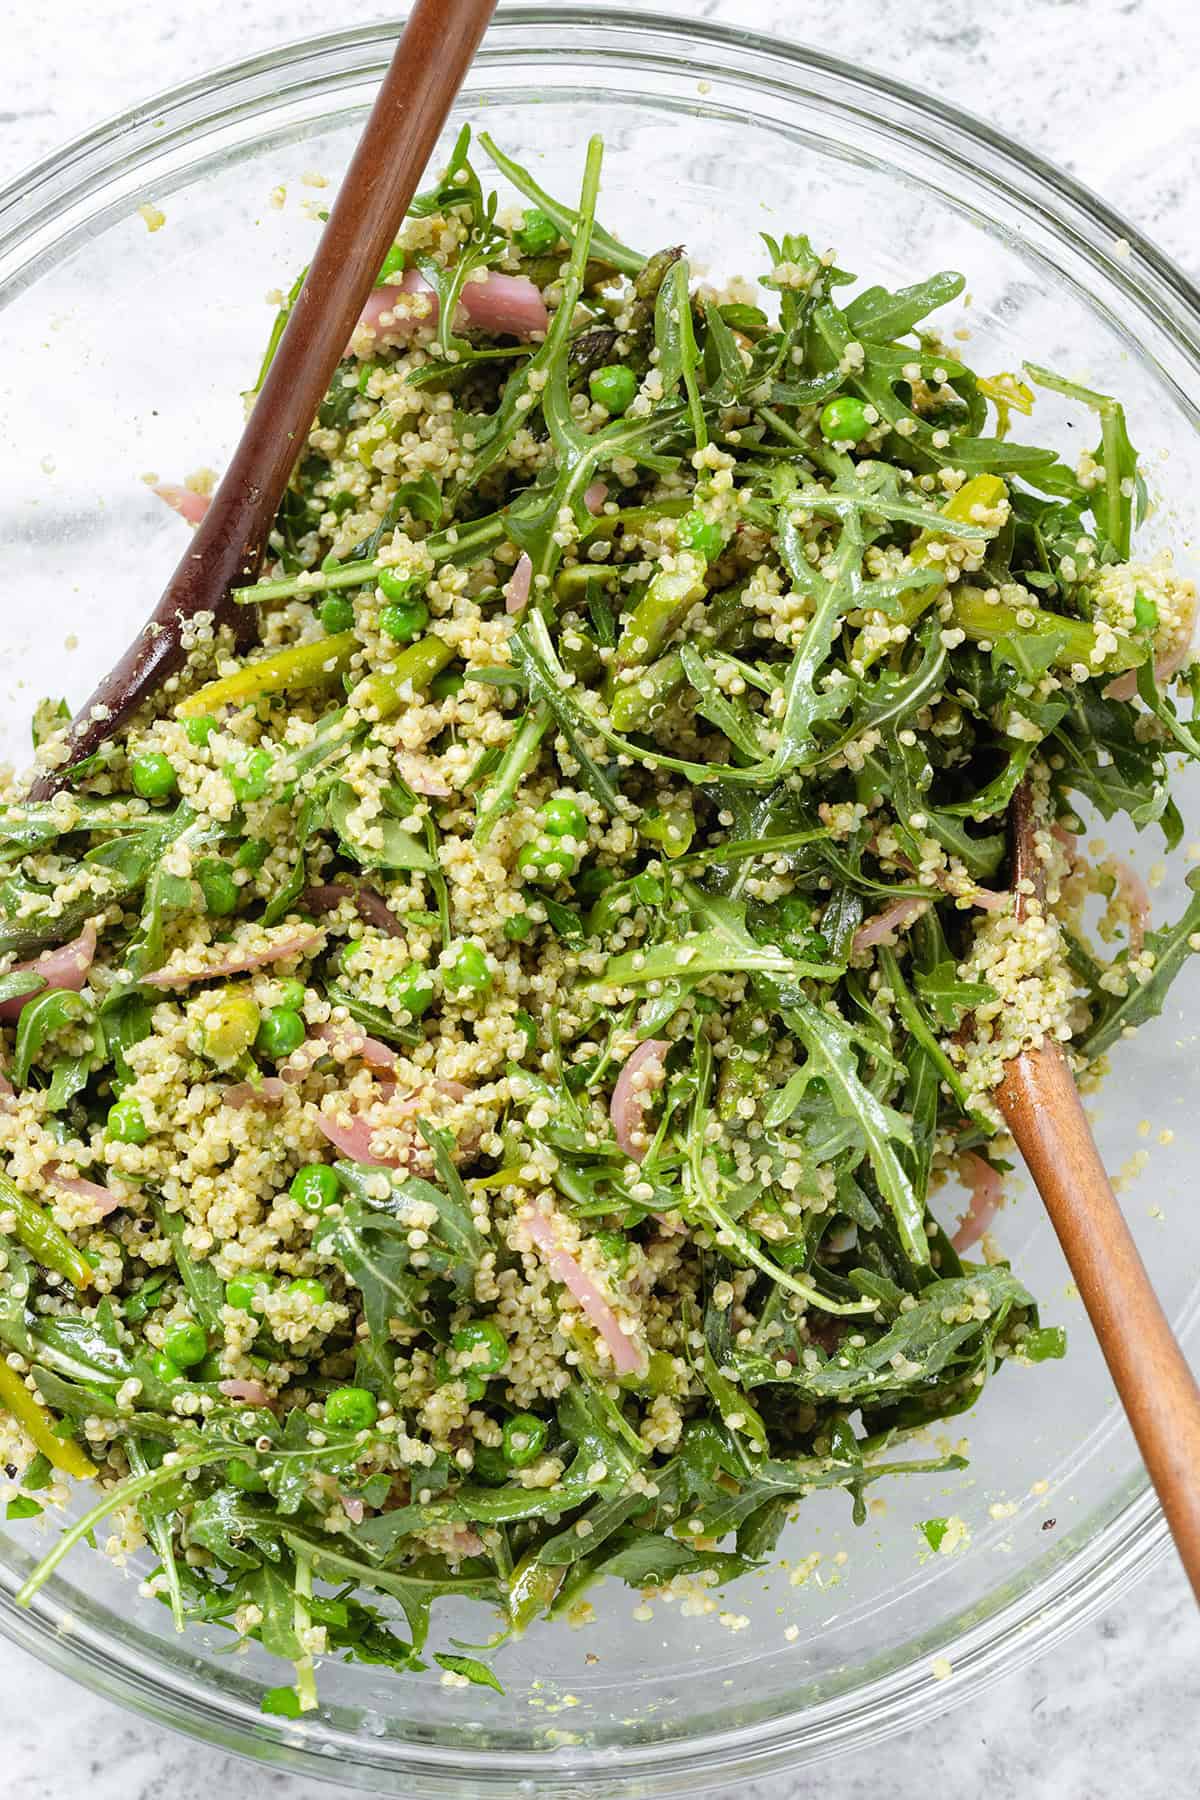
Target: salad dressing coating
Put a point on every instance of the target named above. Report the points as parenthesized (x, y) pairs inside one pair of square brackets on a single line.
[(475, 1069)]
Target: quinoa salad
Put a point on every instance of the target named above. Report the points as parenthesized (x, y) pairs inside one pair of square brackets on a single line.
[(476, 1064)]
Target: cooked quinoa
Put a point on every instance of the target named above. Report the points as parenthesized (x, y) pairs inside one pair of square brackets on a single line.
[(478, 1063)]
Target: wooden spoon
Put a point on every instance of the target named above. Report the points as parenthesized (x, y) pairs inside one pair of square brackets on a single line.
[(1043, 1111), (431, 59)]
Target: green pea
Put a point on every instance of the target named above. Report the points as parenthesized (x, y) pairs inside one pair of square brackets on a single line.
[(221, 892), (524, 1436), (404, 620), (249, 782), (349, 951), (252, 854), (292, 993), (704, 536), (245, 1476), (165, 1367), (483, 1345), (395, 584), (241, 1291), (125, 1124), (518, 928), (613, 387), (209, 1370), (844, 420), (489, 1464), (336, 614), (230, 1026), (467, 971), (152, 776), (198, 730), (537, 233), (545, 866), (279, 1033), (315, 1186), (311, 1289), (565, 818), (448, 683), (186, 1342), (412, 989), (352, 1408), (392, 264)]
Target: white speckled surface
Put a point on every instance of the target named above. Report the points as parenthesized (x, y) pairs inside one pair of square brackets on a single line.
[(1111, 89)]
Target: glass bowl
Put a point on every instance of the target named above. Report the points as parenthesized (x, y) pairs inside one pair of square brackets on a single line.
[(123, 353)]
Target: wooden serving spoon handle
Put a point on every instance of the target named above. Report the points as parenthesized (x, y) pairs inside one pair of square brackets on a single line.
[(1042, 1109), (426, 72)]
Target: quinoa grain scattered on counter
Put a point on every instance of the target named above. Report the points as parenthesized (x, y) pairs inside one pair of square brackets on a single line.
[(475, 1068)]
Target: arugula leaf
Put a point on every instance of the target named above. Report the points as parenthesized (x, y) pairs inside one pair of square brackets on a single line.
[(477, 1673), (675, 341), (830, 1047), (40, 1021), (203, 1285), (602, 242), (18, 984), (397, 848), (370, 1245), (1171, 948)]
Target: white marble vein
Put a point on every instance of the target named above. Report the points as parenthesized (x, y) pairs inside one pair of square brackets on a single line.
[(1110, 88)]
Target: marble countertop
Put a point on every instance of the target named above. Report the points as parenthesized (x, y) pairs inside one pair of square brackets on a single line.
[(1109, 88)]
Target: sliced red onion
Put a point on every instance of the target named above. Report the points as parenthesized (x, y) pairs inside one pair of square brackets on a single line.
[(595, 496), (325, 896), (301, 942), (464, 1542), (505, 305), (343, 1041), (105, 1200), (1136, 896), (844, 1238), (328, 896), (354, 1138), (375, 910), (64, 968), (353, 1508), (986, 898), (893, 918), (629, 1356), (252, 1392), (630, 1095), (516, 588), (8, 1093), (421, 776), (1068, 839), (987, 1191), (1125, 685), (184, 500), (266, 1092)]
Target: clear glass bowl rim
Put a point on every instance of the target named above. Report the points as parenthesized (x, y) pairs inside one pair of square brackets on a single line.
[(1104, 1563)]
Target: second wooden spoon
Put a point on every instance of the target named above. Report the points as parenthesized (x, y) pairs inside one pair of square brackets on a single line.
[(1042, 1108)]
